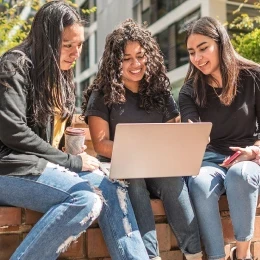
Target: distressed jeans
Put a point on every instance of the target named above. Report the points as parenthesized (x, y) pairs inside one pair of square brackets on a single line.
[(70, 206), (241, 183), (175, 197), (117, 220)]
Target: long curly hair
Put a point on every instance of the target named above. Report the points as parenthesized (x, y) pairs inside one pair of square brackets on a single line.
[(231, 63), (154, 88), (50, 86)]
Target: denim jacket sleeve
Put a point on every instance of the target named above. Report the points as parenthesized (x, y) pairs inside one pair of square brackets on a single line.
[(14, 130)]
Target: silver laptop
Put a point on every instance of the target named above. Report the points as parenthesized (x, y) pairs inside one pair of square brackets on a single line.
[(145, 150)]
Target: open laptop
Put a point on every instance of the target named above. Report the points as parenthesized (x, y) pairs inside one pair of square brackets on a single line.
[(148, 150)]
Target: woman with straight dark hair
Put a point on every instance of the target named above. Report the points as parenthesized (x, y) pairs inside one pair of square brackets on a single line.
[(132, 87), (36, 103), (224, 88)]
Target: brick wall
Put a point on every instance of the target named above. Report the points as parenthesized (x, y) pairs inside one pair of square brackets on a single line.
[(15, 223)]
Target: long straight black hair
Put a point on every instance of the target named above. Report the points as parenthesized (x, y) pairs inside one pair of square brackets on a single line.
[(50, 86)]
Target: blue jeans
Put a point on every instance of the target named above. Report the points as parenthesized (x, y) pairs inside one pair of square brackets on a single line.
[(241, 183), (117, 220), (70, 206), (174, 195)]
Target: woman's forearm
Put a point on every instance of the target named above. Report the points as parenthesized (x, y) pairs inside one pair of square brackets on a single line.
[(104, 148)]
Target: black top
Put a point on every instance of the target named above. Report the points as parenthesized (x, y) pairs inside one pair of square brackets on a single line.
[(234, 125), (24, 148), (129, 112)]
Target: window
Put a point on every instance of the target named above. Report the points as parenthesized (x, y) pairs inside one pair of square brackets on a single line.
[(92, 17), (172, 47), (162, 39), (95, 58), (79, 98), (84, 58), (182, 56), (172, 42), (153, 10), (146, 11), (135, 12)]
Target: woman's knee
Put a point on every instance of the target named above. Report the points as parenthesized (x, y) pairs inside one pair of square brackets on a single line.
[(83, 194), (107, 186), (82, 197), (234, 174), (162, 187), (243, 174), (206, 186), (197, 186), (88, 203)]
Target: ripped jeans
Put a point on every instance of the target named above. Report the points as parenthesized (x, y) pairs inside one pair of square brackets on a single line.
[(70, 206), (241, 183)]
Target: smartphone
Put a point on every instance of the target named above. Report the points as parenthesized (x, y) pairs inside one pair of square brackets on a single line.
[(231, 158)]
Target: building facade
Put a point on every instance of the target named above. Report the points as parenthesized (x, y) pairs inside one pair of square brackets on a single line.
[(166, 20)]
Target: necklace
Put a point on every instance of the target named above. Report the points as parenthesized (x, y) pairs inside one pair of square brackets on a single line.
[(218, 95), (215, 85)]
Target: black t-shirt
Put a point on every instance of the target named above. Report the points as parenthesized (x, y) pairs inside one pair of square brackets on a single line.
[(129, 112), (234, 125)]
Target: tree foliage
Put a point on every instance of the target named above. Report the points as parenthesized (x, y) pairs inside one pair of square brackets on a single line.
[(247, 43), (16, 18)]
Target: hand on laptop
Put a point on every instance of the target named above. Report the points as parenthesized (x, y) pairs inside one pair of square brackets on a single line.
[(89, 163), (104, 167)]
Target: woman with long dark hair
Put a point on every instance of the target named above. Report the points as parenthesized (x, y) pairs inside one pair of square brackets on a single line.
[(36, 103), (224, 88)]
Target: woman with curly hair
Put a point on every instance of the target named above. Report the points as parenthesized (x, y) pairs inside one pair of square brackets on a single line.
[(131, 87)]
